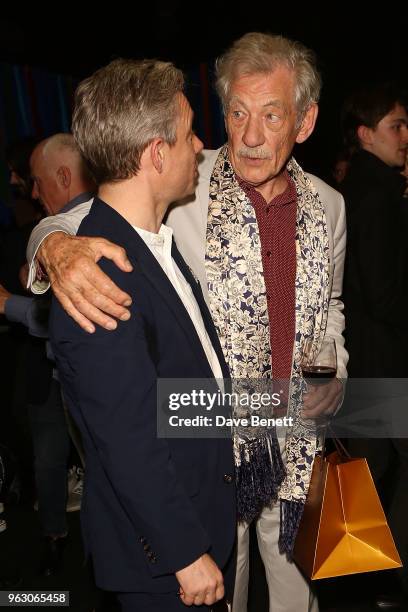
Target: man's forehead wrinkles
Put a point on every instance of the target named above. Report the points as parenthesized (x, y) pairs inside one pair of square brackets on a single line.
[(273, 102), (257, 100)]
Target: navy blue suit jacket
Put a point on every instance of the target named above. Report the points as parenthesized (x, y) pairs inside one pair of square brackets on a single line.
[(151, 506)]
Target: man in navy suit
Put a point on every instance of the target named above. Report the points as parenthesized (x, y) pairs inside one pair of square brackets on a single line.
[(158, 514)]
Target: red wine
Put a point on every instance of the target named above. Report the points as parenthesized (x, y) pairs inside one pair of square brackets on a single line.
[(318, 375)]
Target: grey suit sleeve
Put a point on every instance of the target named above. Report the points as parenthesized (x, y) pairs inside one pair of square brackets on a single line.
[(336, 221), (29, 312), (68, 223), (335, 321)]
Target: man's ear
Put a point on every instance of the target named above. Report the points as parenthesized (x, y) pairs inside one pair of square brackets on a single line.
[(308, 123), (157, 147), (64, 177), (364, 135)]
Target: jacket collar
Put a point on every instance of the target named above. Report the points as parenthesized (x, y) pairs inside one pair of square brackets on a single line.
[(79, 199), (117, 229), (375, 169)]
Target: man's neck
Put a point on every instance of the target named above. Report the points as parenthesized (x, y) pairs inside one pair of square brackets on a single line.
[(273, 188), (74, 199), (136, 205)]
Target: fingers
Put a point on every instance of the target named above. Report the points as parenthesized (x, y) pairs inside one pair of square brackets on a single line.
[(211, 595), (88, 307), (322, 400), (73, 312), (187, 600), (201, 582), (116, 253), (104, 289), (94, 301), (88, 294), (219, 593)]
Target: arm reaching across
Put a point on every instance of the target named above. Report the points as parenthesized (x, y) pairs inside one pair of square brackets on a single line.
[(85, 292)]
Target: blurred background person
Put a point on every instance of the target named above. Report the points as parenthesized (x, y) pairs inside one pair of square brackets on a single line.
[(375, 285), (340, 168)]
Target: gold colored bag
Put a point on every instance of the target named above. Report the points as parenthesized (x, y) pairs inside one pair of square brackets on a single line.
[(343, 529)]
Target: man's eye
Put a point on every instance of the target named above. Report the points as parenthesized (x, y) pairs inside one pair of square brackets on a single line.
[(237, 114), (272, 117)]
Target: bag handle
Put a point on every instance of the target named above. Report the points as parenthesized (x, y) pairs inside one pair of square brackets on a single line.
[(340, 448)]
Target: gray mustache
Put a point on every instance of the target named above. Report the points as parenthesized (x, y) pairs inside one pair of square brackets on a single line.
[(258, 153)]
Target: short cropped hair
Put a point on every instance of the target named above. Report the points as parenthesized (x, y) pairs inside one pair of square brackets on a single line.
[(120, 109), (60, 149), (367, 106), (256, 53)]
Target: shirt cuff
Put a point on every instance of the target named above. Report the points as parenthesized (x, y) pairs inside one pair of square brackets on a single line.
[(37, 281)]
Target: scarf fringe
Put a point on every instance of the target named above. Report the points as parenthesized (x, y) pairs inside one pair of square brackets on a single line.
[(291, 513), (259, 474)]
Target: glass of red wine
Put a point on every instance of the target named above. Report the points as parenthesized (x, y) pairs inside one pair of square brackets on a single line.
[(318, 368)]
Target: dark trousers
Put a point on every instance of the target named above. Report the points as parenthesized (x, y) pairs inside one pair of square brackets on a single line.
[(51, 450), (163, 602), (147, 602), (171, 602)]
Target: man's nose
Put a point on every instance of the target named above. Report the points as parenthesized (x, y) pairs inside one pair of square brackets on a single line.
[(198, 145), (253, 134)]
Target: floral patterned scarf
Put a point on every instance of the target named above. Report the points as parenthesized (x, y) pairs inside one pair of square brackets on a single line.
[(239, 309)]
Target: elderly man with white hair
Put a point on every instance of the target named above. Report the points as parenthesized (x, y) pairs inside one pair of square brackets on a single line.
[(267, 242)]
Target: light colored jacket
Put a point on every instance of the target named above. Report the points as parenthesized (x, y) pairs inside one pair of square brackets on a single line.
[(188, 219)]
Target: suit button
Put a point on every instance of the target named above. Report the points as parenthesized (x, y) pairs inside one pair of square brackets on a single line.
[(153, 559), (146, 547), (228, 478)]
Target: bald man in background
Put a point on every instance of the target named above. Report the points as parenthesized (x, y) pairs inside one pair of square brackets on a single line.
[(60, 182), (60, 178)]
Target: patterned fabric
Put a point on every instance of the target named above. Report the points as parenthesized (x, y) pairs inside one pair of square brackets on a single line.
[(239, 309), (277, 232)]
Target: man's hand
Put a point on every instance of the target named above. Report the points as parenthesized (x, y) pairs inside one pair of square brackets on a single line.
[(322, 399), (201, 582), (85, 292), (4, 295)]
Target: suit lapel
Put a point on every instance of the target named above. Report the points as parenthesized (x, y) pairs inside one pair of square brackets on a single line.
[(158, 279), (198, 294), (117, 229)]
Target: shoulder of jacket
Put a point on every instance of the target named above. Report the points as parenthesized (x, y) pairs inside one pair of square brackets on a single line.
[(327, 194), (331, 199), (207, 159)]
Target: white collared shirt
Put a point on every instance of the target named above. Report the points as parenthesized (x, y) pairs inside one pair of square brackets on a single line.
[(160, 246)]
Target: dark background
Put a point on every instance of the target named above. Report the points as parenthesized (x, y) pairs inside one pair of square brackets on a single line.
[(353, 44)]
